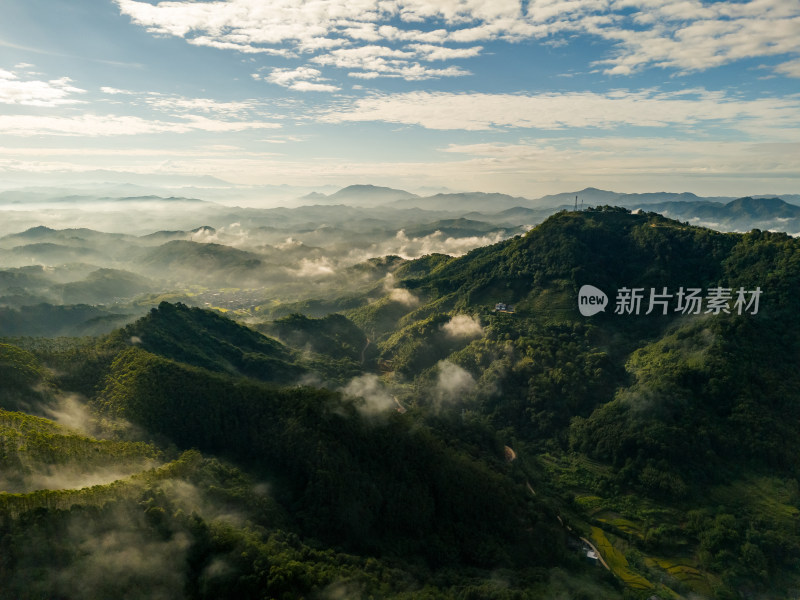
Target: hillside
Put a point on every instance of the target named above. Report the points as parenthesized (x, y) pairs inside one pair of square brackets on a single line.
[(419, 442), (205, 339), (672, 407), (332, 472), (195, 256), (105, 286)]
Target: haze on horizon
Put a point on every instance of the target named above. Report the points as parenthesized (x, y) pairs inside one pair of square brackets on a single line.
[(525, 98)]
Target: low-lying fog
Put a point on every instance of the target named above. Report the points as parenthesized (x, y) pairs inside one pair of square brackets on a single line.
[(73, 264)]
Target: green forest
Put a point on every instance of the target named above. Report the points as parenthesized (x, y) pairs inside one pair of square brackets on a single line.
[(410, 441)]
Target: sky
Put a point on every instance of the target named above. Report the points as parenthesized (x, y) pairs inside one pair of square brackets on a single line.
[(524, 97)]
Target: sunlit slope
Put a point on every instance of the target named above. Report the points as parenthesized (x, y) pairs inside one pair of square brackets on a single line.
[(208, 340), (609, 249), (729, 378), (36, 454)]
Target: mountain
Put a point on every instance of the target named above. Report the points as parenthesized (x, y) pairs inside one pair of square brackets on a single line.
[(105, 286), (676, 409), (314, 197), (161, 237), (465, 202), (46, 253), (200, 260), (422, 442), (70, 237), (333, 335), (50, 321), (453, 228), (82, 461), (591, 196), (742, 214), (373, 196), (313, 483), (205, 339), (361, 195)]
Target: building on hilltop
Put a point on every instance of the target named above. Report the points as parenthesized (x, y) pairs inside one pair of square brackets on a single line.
[(504, 308)]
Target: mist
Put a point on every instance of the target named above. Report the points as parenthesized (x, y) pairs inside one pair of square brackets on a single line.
[(70, 410), (369, 387), (453, 383), (30, 477), (401, 295), (85, 250), (463, 327)]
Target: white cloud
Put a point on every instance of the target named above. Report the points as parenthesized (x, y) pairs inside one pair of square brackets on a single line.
[(115, 91), (691, 36), (183, 107), (411, 72), (92, 125), (685, 35), (432, 52), (55, 92), (404, 297), (301, 79), (314, 268), (452, 382), (205, 105), (400, 295), (370, 62), (790, 68), (362, 57), (463, 326), (377, 398), (649, 108)]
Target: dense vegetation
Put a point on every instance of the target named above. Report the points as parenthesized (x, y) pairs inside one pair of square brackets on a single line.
[(420, 444)]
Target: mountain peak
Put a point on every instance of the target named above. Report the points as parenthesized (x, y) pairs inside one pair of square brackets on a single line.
[(205, 339), (39, 230), (774, 207), (372, 190)]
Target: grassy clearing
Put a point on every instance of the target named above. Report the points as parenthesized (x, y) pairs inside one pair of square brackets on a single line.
[(632, 529), (682, 570), (617, 562)]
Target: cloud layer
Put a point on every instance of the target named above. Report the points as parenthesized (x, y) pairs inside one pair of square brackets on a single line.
[(401, 38), (551, 111)]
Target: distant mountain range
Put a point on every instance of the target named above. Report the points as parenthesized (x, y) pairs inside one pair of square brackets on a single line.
[(373, 196), (742, 214)]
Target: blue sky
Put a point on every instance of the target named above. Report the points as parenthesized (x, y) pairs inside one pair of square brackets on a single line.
[(527, 98)]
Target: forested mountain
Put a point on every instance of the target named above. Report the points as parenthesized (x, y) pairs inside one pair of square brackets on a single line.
[(455, 428)]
